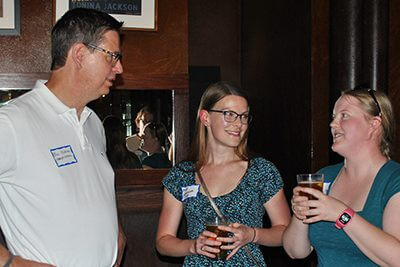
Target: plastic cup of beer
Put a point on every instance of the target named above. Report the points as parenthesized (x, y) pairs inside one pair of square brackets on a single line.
[(311, 180), (212, 226)]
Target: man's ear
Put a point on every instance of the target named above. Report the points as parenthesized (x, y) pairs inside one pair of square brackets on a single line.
[(77, 53), (204, 117)]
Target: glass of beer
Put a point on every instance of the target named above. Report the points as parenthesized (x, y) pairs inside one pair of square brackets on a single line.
[(212, 226), (311, 180)]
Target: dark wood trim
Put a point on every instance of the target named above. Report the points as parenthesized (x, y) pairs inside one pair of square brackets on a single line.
[(139, 190), (139, 177), (177, 81), (394, 69), (320, 113), (139, 198), (24, 80), (180, 114)]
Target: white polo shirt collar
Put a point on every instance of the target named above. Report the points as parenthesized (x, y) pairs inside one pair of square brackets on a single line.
[(68, 113), (59, 107)]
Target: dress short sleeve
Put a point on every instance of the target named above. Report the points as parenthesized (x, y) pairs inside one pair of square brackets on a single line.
[(179, 176), (267, 178)]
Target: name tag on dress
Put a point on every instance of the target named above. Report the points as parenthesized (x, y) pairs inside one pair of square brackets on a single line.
[(326, 187), (190, 191), (63, 155)]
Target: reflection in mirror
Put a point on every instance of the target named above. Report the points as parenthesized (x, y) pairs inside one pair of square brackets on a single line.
[(124, 114), (138, 126), (7, 95)]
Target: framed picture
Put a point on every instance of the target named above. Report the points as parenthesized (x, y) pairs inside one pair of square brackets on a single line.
[(136, 14), (9, 17)]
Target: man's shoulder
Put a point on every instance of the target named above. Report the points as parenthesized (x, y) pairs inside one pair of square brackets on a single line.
[(19, 106)]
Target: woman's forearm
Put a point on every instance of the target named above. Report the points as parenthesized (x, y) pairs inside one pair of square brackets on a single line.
[(295, 239), (381, 247), (172, 246), (271, 237)]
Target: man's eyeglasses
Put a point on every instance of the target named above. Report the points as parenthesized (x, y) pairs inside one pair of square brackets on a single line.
[(371, 93), (112, 57), (231, 116)]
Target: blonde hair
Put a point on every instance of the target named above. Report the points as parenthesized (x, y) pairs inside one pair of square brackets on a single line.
[(214, 93), (142, 112), (386, 113)]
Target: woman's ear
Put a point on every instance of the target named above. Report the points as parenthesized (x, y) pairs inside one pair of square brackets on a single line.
[(204, 118), (376, 122)]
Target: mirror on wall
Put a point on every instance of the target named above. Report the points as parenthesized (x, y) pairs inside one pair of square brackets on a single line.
[(138, 126)]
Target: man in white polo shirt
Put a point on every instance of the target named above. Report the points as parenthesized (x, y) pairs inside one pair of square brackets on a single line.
[(57, 197)]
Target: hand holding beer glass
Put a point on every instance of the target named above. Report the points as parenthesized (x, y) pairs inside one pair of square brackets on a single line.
[(212, 226), (310, 180)]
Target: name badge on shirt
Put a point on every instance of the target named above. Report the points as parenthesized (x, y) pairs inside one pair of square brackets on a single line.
[(63, 155), (190, 191), (326, 187)]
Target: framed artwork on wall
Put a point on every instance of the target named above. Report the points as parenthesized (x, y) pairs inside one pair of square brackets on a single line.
[(136, 14), (9, 17)]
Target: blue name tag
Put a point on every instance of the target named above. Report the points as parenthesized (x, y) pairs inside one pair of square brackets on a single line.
[(190, 191), (63, 156)]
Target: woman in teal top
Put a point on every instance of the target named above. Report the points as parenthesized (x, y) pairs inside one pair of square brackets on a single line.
[(243, 189), (356, 223)]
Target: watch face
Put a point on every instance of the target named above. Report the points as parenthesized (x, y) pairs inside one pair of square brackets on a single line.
[(345, 218)]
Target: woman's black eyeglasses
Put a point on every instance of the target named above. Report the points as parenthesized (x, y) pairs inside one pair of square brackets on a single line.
[(231, 116)]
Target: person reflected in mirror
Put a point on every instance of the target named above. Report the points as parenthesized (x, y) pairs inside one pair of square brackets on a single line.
[(118, 155), (171, 147), (356, 223), (144, 116), (134, 142), (155, 144), (244, 189), (58, 203)]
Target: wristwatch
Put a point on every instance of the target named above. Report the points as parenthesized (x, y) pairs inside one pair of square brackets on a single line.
[(344, 218)]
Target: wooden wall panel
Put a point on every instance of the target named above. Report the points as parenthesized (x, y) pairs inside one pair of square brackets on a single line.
[(29, 52), (152, 60), (277, 73), (394, 68), (158, 57), (215, 36), (320, 111)]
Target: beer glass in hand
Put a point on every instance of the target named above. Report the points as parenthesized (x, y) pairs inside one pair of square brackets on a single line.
[(212, 226), (310, 180)]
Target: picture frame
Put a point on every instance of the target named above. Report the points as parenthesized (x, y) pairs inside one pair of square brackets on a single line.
[(10, 17), (136, 14)]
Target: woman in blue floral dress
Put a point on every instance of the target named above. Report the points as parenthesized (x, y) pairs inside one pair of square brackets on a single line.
[(242, 188)]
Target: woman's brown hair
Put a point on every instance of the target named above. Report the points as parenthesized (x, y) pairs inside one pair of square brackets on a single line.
[(214, 93)]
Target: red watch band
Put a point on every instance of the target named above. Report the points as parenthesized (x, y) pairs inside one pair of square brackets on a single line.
[(344, 218)]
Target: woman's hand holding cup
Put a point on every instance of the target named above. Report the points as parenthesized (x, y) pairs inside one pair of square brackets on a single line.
[(206, 244)]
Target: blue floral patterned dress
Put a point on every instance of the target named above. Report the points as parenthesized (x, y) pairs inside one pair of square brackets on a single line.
[(243, 205)]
